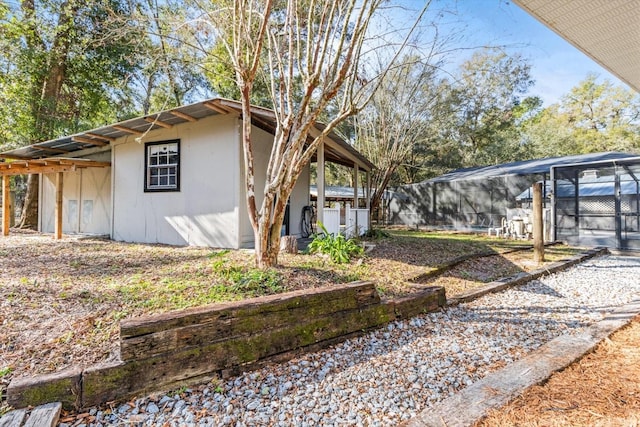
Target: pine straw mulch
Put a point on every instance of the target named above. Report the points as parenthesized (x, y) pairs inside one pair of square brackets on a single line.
[(61, 301), (601, 389)]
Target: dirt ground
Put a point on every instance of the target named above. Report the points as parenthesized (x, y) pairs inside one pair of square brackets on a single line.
[(602, 390)]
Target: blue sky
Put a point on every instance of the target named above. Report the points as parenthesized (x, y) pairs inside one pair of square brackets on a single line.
[(557, 66)]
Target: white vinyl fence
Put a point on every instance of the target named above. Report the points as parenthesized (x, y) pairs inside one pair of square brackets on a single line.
[(356, 221)]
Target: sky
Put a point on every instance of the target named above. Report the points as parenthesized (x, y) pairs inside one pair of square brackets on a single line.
[(557, 66)]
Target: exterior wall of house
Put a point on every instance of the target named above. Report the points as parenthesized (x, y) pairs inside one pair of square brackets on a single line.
[(263, 142), (86, 200), (204, 212), (208, 210), (300, 198)]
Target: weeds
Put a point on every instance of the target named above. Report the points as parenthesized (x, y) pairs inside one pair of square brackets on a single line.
[(248, 281), (376, 234)]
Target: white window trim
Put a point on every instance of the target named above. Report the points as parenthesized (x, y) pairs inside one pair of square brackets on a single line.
[(148, 167)]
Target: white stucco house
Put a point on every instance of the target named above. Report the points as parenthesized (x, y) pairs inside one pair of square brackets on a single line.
[(174, 177)]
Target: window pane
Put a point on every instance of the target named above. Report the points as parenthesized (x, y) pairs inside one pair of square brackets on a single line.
[(162, 166)]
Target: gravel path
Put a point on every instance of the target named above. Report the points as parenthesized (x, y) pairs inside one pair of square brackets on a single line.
[(393, 373)]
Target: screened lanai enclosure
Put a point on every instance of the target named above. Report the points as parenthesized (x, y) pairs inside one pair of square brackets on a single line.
[(484, 198), (598, 203)]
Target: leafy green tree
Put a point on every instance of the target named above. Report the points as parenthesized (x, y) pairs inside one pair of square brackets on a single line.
[(594, 116), (483, 103), (59, 59)]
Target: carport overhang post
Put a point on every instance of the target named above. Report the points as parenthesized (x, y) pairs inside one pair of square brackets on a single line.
[(320, 182), (368, 195), (58, 216), (355, 185), (6, 206)]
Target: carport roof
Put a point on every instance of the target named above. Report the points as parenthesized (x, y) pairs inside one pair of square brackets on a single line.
[(337, 152), (527, 167)]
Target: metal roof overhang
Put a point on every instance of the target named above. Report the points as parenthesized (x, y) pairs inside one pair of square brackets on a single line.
[(530, 167), (608, 31), (48, 165), (337, 150)]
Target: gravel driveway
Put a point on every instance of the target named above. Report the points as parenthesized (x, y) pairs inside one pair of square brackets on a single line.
[(391, 374)]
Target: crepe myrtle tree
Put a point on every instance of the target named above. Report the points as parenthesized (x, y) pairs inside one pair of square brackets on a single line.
[(314, 53)]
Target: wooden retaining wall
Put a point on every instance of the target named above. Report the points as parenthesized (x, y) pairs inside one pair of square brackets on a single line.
[(194, 345)]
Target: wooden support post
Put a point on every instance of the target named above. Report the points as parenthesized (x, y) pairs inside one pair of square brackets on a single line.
[(320, 183), (538, 226), (6, 206), (356, 172), (58, 224), (368, 191)]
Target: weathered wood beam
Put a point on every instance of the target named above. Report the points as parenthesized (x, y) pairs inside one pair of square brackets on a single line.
[(128, 130), (83, 140), (58, 225), (184, 116), (6, 206), (98, 136), (158, 122), (30, 162), (216, 108), (87, 163), (263, 124), (37, 169), (49, 166)]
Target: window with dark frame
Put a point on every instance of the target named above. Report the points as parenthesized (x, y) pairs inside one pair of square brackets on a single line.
[(162, 166)]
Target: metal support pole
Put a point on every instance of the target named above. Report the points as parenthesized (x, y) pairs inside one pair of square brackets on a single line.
[(618, 207)]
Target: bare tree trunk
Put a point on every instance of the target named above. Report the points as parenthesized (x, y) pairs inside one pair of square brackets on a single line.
[(29, 216)]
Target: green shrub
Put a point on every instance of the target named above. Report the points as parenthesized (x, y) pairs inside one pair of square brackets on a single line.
[(337, 247)]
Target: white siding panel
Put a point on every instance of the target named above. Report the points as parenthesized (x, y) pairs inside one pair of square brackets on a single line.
[(86, 201), (204, 211), (263, 143), (47, 202), (95, 201)]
